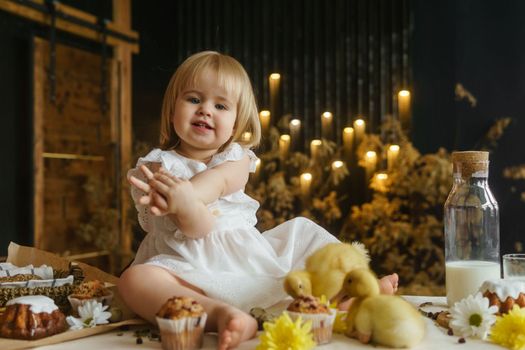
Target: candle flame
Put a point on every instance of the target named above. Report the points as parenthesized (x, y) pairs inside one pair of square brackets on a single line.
[(370, 154), (264, 113), (382, 176), (348, 130), (285, 137), (394, 148), (306, 176), (295, 122), (337, 164), (247, 136), (359, 122), (275, 76), (327, 115), (404, 93), (316, 142)]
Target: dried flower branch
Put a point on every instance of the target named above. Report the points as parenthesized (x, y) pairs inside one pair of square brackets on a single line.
[(462, 93)]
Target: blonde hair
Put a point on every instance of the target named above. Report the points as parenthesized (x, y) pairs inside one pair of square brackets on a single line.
[(232, 77)]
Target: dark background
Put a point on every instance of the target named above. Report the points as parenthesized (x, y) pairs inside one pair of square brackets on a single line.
[(480, 44)]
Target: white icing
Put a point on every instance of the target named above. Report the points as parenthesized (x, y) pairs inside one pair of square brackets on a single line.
[(44, 271), (504, 288), (38, 303)]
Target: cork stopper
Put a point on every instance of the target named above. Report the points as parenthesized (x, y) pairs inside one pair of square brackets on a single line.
[(467, 163)]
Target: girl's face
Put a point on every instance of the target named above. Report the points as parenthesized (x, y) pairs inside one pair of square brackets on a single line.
[(204, 116)]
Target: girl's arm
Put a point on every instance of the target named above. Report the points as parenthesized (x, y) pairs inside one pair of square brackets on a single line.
[(224, 179), (186, 210), (185, 201), (176, 198), (194, 218)]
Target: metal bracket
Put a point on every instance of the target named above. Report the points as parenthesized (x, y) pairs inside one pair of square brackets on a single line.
[(51, 71)]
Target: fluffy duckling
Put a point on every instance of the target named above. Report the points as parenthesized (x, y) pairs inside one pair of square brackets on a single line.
[(298, 283), (383, 319), (326, 269)]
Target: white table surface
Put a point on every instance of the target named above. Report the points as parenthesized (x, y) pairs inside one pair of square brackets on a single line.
[(435, 339)]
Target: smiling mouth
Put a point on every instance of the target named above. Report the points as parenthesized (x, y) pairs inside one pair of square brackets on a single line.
[(202, 125)]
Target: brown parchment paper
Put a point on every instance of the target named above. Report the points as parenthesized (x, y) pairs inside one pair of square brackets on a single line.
[(21, 256)]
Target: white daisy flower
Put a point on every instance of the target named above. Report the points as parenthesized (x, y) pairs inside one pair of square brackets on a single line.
[(472, 317), (92, 313), (74, 323)]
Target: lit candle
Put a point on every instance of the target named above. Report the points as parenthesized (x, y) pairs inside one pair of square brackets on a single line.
[(295, 133), (380, 180), (265, 116), (371, 162), (348, 141), (326, 125), (246, 136), (306, 182), (382, 176), (391, 156), (314, 148), (274, 80), (337, 165), (257, 170), (284, 145), (403, 108), (359, 129)]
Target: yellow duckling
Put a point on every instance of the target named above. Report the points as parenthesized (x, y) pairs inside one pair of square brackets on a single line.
[(383, 319), (298, 283), (326, 269)]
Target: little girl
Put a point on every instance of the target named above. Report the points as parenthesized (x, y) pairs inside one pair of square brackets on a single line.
[(202, 241)]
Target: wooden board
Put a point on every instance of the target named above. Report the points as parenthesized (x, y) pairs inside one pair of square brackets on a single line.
[(76, 126), (122, 20), (70, 27)]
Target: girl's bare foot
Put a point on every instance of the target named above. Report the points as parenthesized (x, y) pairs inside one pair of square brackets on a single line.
[(234, 327), (388, 284)]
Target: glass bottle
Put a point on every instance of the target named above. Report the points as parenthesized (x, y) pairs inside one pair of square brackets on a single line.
[(471, 227)]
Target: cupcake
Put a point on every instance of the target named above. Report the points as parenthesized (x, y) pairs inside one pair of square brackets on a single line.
[(309, 308), (90, 290), (181, 322)]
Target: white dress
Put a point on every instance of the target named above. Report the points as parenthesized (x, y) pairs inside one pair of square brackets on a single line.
[(235, 262)]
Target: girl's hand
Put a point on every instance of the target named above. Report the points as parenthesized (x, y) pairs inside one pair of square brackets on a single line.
[(177, 198), (157, 203), (178, 193)]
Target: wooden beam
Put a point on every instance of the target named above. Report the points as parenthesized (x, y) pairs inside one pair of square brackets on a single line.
[(70, 156), (122, 55), (73, 28), (88, 255), (39, 78)]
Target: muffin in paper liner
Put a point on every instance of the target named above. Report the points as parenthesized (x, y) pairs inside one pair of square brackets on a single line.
[(182, 334), (322, 324), (76, 302), (90, 290)]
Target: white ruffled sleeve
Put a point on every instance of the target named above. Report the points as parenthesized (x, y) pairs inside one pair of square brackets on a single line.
[(232, 153), (154, 160)]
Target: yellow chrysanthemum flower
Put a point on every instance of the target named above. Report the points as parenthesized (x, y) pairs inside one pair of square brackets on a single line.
[(340, 322), (509, 329), (285, 334), (324, 300)]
